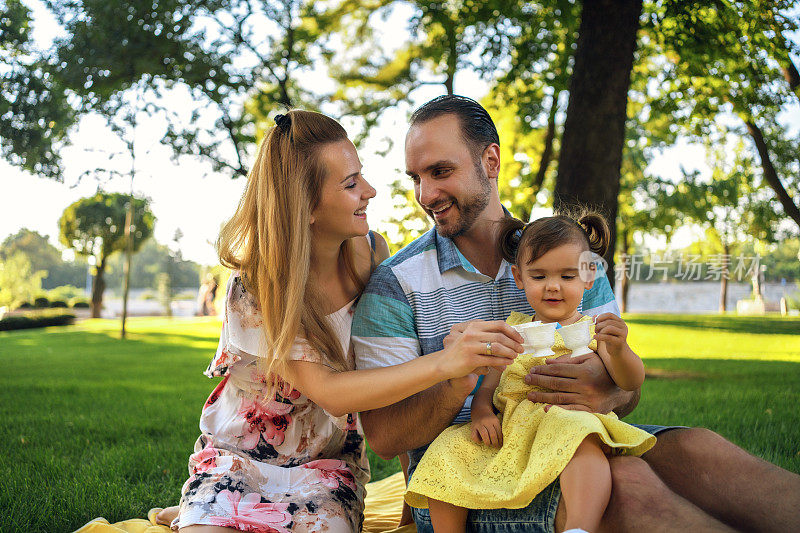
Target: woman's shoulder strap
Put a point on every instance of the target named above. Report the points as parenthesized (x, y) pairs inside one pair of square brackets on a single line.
[(371, 239)]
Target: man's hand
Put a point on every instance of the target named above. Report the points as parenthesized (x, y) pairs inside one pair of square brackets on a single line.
[(578, 383), (486, 429)]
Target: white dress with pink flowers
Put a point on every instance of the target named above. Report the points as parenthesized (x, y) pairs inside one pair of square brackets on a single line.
[(272, 464)]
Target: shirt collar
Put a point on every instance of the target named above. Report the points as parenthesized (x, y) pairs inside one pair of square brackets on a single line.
[(450, 257), (447, 253)]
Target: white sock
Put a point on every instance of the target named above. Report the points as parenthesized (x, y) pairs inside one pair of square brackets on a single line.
[(576, 530)]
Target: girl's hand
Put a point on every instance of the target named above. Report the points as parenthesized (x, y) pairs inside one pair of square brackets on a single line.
[(477, 347), (613, 331), (486, 429)]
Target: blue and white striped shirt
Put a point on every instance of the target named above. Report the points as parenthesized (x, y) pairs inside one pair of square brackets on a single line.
[(415, 297)]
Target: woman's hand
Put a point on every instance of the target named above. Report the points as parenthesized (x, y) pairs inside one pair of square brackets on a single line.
[(486, 429), (478, 346), (495, 326)]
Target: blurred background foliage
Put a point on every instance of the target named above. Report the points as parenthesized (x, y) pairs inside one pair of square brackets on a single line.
[(721, 74)]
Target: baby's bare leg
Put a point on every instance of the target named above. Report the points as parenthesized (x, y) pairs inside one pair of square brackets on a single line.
[(586, 486), (446, 517)]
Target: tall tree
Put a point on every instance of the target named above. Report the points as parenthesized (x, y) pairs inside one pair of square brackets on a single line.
[(594, 130), (35, 114), (444, 39), (730, 201), (95, 227), (19, 282), (238, 60), (44, 256), (150, 260), (728, 57)]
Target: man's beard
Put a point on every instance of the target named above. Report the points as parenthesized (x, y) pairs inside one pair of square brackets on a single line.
[(470, 209)]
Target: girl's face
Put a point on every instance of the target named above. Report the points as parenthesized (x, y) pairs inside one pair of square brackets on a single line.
[(553, 284), (341, 213)]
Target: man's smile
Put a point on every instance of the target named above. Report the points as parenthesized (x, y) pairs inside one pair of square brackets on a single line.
[(441, 210)]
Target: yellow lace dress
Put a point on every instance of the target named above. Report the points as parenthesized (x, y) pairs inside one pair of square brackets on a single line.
[(537, 445)]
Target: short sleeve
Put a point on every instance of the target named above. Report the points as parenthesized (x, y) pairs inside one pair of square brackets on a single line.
[(303, 351), (241, 329), (223, 358), (383, 331), (242, 338)]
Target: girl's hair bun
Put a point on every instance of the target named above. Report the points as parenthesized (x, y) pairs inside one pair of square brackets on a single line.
[(597, 231), (511, 230)]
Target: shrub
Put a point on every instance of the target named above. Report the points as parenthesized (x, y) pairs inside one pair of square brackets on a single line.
[(186, 295), (61, 304), (65, 292), (79, 303), (25, 305), (40, 302), (35, 320)]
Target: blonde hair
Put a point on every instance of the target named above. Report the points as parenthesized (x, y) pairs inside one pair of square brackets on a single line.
[(268, 240)]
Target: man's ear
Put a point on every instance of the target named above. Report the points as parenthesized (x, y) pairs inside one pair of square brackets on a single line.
[(491, 160), (515, 272)]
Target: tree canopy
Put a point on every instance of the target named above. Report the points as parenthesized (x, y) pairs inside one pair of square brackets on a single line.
[(95, 227), (35, 112), (576, 109), (46, 257)]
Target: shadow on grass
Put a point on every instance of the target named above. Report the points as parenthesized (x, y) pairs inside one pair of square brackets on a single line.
[(738, 324), (65, 336), (661, 373)]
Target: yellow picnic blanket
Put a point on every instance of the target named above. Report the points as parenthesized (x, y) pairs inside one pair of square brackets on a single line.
[(384, 503)]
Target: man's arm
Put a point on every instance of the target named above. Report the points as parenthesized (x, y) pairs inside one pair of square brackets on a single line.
[(384, 334), (417, 420)]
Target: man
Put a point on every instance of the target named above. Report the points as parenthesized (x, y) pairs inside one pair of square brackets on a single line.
[(452, 278)]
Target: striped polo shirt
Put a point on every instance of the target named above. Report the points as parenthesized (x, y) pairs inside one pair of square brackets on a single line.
[(415, 297)]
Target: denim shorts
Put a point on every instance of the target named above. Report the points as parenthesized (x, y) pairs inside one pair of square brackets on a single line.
[(538, 517)]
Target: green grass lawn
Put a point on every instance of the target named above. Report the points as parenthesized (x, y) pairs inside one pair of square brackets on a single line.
[(96, 426)]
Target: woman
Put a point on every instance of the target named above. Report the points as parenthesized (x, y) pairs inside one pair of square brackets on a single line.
[(281, 447)]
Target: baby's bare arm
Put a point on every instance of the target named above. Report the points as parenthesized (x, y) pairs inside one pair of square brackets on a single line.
[(482, 401)]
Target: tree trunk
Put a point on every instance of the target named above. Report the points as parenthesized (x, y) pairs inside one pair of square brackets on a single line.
[(624, 286), (127, 265), (594, 130), (771, 175), (549, 138), (98, 286), (452, 60), (792, 76), (723, 291), (624, 282)]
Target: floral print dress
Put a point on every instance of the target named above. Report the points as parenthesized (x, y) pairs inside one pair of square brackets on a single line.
[(278, 463)]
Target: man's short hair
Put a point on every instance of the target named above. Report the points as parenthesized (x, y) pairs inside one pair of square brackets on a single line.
[(477, 127)]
